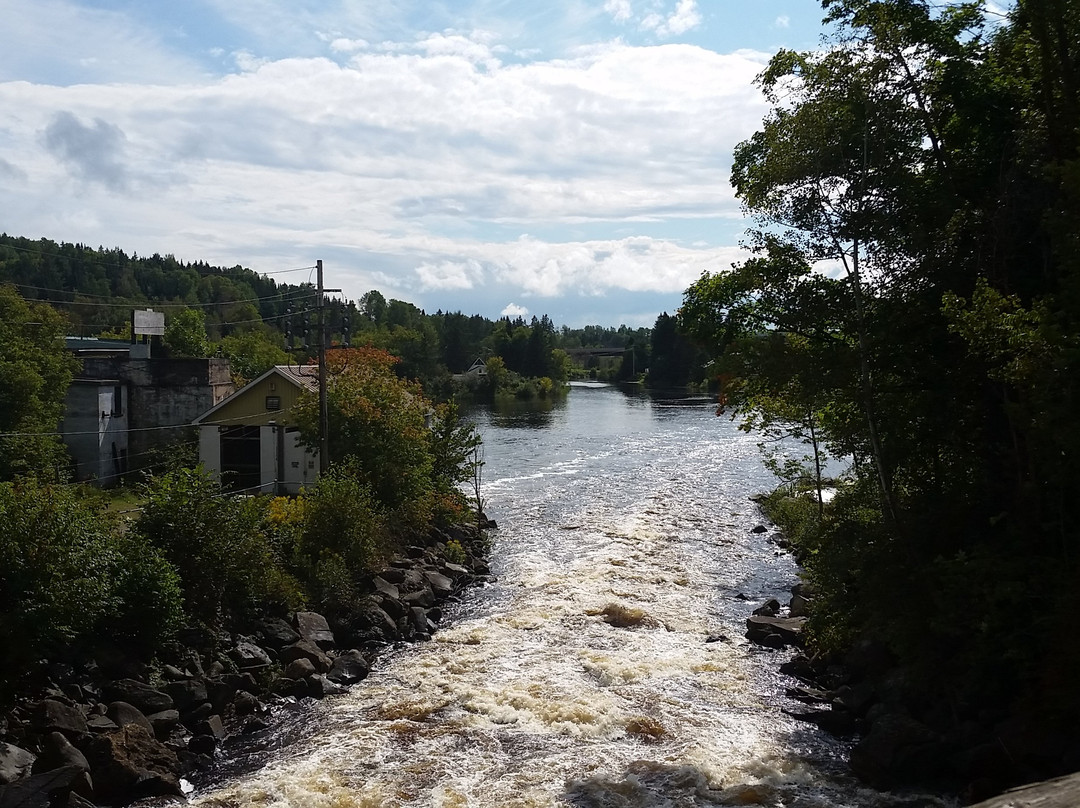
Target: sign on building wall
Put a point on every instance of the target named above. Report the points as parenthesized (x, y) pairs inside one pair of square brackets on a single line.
[(148, 322)]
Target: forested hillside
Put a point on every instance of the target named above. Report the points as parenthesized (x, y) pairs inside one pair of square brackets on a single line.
[(258, 320)]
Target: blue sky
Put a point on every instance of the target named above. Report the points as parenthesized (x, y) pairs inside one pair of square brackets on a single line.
[(489, 156)]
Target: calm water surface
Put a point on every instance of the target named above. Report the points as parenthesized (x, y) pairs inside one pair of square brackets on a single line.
[(611, 503)]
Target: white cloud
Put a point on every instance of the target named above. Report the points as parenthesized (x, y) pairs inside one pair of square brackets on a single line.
[(421, 163), (783, 21), (514, 310), (684, 18), (620, 10)]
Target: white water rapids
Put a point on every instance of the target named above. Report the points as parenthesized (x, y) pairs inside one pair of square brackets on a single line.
[(613, 506)]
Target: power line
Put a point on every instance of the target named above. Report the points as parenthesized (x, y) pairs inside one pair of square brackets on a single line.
[(158, 304)]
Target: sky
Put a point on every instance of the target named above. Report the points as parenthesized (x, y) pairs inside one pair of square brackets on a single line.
[(567, 157)]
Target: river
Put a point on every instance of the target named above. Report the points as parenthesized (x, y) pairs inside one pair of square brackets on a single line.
[(611, 505)]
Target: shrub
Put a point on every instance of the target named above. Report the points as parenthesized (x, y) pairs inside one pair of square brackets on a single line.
[(220, 546)]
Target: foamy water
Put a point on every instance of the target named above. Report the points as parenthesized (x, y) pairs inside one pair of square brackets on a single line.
[(583, 676)]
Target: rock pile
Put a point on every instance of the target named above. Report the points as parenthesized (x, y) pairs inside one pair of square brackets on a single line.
[(112, 729)]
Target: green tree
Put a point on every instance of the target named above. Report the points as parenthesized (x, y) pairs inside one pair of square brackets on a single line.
[(35, 371), (252, 353), (185, 334), (378, 422)]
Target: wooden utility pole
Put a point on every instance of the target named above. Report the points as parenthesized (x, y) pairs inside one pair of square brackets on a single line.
[(324, 407)]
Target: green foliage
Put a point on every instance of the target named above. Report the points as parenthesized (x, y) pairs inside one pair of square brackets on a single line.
[(344, 535), (35, 371), (252, 353), (185, 335), (912, 306), (220, 546), (69, 575)]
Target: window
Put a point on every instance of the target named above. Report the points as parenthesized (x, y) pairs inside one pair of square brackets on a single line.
[(118, 400), (273, 403)]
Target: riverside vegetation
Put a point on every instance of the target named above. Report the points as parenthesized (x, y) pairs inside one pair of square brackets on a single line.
[(134, 647), (911, 311)]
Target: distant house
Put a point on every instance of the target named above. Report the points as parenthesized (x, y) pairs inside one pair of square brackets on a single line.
[(477, 370), (250, 442), (120, 409)]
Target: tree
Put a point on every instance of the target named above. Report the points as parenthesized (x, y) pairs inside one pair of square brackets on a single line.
[(377, 421), (35, 371), (185, 335), (252, 353)]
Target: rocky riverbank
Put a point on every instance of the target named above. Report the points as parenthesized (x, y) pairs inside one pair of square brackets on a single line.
[(112, 729), (903, 739)]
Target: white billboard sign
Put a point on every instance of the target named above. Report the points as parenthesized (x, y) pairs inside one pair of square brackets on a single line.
[(148, 322)]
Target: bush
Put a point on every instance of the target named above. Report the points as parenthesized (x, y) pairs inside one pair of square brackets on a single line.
[(221, 546), (344, 535), (68, 575)]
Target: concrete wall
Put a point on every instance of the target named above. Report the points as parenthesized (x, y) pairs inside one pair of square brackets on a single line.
[(163, 393), (95, 429)]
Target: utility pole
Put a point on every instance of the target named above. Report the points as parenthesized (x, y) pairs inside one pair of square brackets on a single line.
[(324, 407)]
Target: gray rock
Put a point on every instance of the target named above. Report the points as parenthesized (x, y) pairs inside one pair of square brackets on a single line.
[(277, 633), (98, 724), (14, 763), (348, 668), (164, 723), (769, 608), (418, 617), (37, 791), (212, 726), (319, 686), (306, 650), (248, 656), (439, 583), (142, 696), (131, 763), (762, 629), (299, 669), (423, 597), (58, 752), (798, 606), (313, 627), (121, 713), (453, 570), (51, 715), (385, 587)]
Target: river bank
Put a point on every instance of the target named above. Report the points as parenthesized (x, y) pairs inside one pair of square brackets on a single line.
[(114, 728), (905, 734)]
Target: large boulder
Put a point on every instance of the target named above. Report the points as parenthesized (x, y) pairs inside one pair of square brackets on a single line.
[(276, 633), (439, 583), (15, 762), (305, 650), (186, 693), (51, 715), (57, 752), (131, 763), (774, 632), (348, 668), (40, 790), (142, 696), (248, 656), (121, 713), (384, 587), (313, 627)]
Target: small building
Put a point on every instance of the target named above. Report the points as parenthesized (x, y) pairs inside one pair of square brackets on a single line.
[(249, 442), (477, 370), (122, 411)]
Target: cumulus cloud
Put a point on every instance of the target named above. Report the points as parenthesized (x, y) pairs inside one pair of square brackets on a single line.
[(94, 153), (417, 165), (684, 18), (620, 10), (783, 21), (514, 310)]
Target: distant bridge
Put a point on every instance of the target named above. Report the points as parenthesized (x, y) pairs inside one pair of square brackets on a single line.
[(578, 354)]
